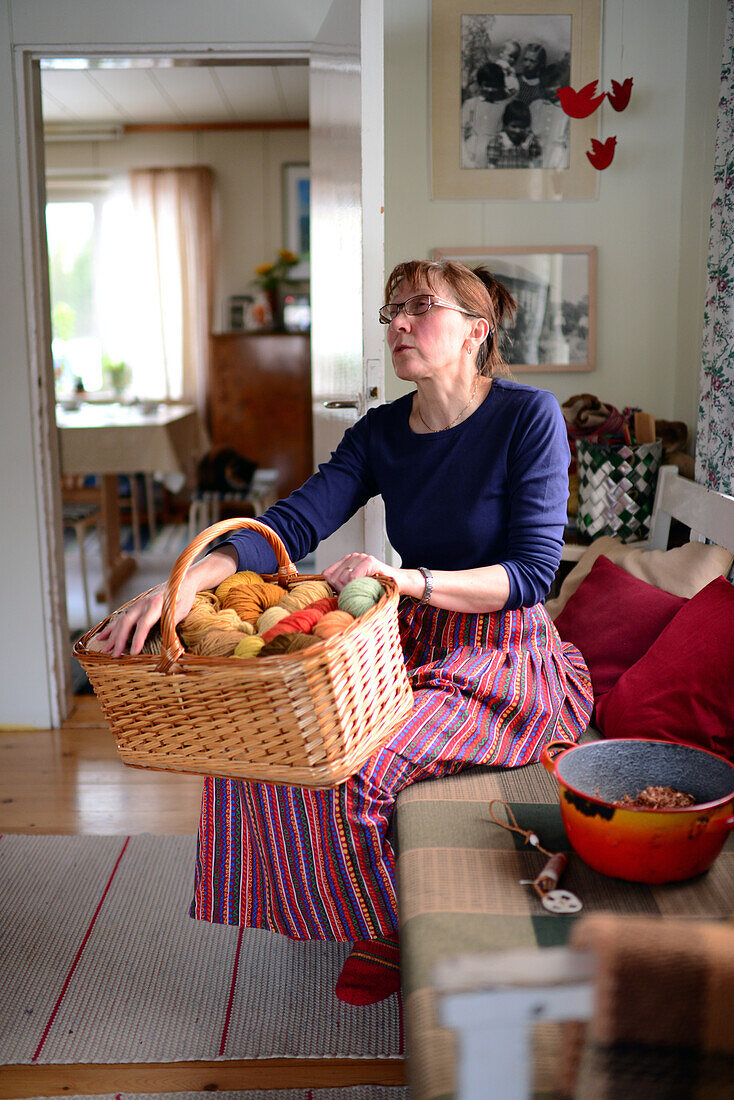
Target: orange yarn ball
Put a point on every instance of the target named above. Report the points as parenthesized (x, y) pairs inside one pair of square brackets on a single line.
[(237, 580), (334, 622), (250, 600)]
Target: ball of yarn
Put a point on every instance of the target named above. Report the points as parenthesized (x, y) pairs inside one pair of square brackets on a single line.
[(207, 598), (298, 622), (237, 580), (153, 644), (248, 647), (270, 617), (333, 622), (250, 600), (211, 633), (287, 643), (328, 603), (360, 595), (300, 595), (216, 643)]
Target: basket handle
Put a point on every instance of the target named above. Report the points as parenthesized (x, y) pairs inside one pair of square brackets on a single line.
[(172, 649)]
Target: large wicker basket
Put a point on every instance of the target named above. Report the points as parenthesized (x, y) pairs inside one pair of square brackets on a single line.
[(309, 718)]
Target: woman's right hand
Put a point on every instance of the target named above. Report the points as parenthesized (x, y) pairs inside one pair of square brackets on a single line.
[(136, 620)]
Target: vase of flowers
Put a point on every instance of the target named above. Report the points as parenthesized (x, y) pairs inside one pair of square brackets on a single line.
[(271, 278)]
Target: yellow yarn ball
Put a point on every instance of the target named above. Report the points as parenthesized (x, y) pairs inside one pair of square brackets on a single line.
[(248, 647)]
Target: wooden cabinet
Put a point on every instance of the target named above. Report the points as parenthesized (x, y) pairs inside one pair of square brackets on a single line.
[(260, 401)]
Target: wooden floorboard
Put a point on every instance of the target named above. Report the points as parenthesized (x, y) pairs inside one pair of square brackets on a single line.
[(72, 781), (19, 1082)]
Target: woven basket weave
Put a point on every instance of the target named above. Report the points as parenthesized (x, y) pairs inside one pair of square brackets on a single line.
[(309, 718), (617, 488)]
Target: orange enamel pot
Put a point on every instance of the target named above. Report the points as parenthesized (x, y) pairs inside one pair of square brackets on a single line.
[(642, 845)]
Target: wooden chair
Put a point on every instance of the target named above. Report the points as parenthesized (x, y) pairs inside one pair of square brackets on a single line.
[(81, 511), (207, 506)]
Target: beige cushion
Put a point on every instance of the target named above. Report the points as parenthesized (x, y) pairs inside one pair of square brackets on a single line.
[(684, 571)]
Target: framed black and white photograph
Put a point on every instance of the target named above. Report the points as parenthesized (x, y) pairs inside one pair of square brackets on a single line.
[(497, 127), (297, 215), (555, 291)]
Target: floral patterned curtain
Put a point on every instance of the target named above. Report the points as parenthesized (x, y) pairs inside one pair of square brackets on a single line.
[(715, 430)]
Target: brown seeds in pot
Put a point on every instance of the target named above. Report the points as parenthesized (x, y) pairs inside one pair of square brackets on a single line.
[(658, 798)]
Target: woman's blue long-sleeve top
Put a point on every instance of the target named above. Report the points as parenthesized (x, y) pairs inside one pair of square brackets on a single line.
[(491, 490)]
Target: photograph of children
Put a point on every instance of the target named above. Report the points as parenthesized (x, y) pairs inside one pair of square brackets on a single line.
[(511, 68)]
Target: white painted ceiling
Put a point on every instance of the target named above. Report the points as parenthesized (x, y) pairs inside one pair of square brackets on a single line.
[(141, 93)]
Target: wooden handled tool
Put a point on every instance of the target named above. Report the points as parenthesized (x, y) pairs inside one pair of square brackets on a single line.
[(644, 427)]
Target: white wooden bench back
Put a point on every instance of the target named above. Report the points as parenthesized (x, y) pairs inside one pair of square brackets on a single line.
[(709, 514)]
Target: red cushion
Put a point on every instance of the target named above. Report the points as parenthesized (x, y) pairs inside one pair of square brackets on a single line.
[(682, 690), (613, 618)]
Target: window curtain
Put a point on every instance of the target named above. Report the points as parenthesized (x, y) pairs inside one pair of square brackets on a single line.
[(715, 428), (174, 277)]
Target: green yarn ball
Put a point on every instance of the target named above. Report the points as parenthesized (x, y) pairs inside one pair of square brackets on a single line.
[(360, 595)]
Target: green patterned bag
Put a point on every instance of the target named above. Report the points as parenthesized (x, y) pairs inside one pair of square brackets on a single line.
[(617, 488)]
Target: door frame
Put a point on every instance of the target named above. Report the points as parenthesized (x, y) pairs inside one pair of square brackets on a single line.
[(27, 60)]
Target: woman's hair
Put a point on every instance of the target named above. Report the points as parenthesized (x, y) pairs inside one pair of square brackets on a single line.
[(477, 291)]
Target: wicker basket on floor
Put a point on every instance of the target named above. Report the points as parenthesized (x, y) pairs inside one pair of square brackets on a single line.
[(309, 718)]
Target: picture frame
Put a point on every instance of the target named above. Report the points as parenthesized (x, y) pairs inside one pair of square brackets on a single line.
[(555, 290), (468, 98), (297, 215)]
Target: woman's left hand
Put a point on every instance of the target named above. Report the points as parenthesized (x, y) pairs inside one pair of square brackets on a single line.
[(409, 581)]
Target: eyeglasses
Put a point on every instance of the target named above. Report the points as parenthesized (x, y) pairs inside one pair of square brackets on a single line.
[(419, 303)]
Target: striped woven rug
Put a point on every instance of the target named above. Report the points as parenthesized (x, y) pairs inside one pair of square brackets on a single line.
[(100, 963)]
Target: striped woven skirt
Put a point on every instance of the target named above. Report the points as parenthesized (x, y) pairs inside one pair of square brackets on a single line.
[(488, 689)]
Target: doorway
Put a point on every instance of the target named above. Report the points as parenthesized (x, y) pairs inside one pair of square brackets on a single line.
[(349, 41), (248, 124)]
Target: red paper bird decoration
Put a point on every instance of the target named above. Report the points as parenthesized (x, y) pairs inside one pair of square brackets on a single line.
[(580, 104), (620, 94), (603, 153)]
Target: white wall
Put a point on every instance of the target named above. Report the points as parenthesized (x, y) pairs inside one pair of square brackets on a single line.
[(247, 168), (649, 221), (649, 225)]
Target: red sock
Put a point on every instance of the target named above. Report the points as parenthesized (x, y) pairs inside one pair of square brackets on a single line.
[(371, 973)]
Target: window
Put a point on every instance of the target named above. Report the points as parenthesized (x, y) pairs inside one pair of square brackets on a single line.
[(77, 349), (90, 258)]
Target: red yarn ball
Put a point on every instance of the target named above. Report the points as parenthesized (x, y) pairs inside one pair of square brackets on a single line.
[(324, 605), (302, 621)]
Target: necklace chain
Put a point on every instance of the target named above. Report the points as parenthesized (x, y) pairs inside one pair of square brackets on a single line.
[(456, 419)]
